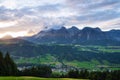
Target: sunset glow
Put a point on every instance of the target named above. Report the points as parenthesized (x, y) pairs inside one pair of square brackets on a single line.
[(17, 16), (7, 24), (14, 34)]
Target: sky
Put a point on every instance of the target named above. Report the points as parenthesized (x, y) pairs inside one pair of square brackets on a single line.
[(28, 17)]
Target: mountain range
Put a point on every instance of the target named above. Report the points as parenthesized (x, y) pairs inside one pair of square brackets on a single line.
[(71, 47), (73, 35)]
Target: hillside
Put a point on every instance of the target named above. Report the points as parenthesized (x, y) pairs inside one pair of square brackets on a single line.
[(60, 55)]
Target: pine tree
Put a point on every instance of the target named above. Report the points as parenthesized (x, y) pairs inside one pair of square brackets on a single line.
[(11, 68), (2, 64)]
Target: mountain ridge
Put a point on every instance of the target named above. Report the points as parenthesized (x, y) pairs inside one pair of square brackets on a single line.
[(73, 35)]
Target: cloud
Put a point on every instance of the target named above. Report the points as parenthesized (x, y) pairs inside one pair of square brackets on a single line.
[(8, 3), (36, 15), (14, 34), (91, 4), (99, 16), (7, 24), (18, 4), (91, 12), (8, 14)]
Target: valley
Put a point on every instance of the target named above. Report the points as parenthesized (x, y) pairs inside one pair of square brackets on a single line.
[(89, 48), (63, 55), (87, 57)]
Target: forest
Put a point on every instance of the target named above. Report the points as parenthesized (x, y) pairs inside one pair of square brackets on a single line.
[(9, 68)]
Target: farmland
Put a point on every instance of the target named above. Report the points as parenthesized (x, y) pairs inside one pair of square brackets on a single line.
[(89, 57)]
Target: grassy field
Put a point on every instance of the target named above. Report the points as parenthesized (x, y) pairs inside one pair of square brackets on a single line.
[(36, 78)]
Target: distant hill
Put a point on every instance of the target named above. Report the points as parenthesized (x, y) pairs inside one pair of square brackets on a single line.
[(14, 41), (73, 35), (7, 37)]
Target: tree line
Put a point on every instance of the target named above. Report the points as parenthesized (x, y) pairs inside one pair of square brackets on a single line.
[(7, 65), (9, 68), (95, 75)]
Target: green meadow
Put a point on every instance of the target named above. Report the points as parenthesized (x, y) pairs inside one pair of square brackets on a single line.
[(36, 78)]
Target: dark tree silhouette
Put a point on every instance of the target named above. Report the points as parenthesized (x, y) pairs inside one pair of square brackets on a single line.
[(2, 65), (39, 71), (73, 74), (10, 66)]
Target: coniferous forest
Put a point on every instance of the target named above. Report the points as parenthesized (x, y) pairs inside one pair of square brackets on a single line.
[(7, 65), (9, 68)]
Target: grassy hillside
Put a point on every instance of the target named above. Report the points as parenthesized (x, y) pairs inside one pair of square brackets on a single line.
[(89, 57), (36, 78)]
